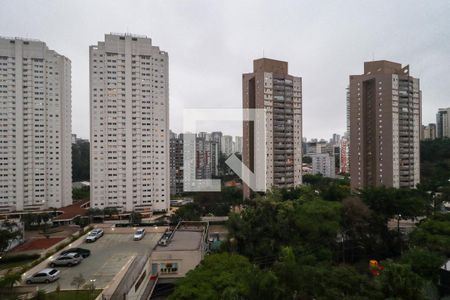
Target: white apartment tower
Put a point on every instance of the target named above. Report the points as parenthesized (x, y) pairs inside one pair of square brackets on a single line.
[(35, 126), (129, 99)]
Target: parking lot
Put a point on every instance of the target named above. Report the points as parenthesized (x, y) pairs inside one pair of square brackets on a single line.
[(108, 255)]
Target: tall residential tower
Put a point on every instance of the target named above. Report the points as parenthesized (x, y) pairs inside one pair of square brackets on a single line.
[(35, 126), (129, 98), (443, 123), (270, 87), (385, 124)]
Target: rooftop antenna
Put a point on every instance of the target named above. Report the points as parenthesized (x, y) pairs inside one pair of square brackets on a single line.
[(263, 53), (373, 56)]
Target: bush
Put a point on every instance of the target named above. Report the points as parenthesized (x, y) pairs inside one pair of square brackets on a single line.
[(18, 258)]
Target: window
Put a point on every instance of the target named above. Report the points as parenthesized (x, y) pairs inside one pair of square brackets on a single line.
[(168, 267)]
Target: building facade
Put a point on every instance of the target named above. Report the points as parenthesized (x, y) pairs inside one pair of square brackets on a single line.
[(35, 122), (129, 99), (429, 132), (270, 87), (206, 156), (227, 145), (324, 164), (176, 164), (344, 165), (385, 124), (238, 144), (443, 123)]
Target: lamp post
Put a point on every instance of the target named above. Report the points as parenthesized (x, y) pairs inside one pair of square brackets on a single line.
[(398, 223), (92, 287)]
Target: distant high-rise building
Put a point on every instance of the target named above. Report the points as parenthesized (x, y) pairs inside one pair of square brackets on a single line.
[(129, 98), (385, 120), (216, 136), (335, 140), (35, 121), (227, 145), (344, 165), (270, 87), (323, 163), (201, 160), (347, 133), (176, 163), (429, 132), (238, 144), (443, 123)]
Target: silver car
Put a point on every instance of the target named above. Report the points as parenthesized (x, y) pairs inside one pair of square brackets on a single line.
[(44, 276), (139, 235), (94, 235), (69, 259)]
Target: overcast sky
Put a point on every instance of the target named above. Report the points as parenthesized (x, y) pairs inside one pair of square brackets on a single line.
[(211, 43)]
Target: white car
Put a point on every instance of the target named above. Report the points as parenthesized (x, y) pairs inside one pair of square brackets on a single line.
[(46, 275), (69, 259), (94, 235), (139, 234)]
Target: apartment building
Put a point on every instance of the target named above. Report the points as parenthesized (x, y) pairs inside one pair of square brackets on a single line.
[(385, 123), (324, 164), (176, 164), (238, 144), (443, 123), (272, 88), (429, 132), (227, 145), (129, 100), (35, 122)]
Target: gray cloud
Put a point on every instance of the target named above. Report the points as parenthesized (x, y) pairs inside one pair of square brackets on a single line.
[(211, 43)]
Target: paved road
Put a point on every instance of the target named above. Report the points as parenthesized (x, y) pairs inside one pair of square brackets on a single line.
[(108, 255)]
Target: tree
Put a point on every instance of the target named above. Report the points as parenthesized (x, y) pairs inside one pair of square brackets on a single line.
[(398, 281), (110, 211), (303, 277), (269, 223), (78, 281), (81, 193), (188, 212), (423, 262), (9, 232), (135, 217), (80, 161), (226, 276), (9, 280), (433, 234)]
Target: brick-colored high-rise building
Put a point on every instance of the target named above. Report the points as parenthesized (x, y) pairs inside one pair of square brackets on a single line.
[(385, 123), (270, 87)]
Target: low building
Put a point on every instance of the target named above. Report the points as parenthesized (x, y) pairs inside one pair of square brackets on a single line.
[(323, 163), (179, 251)]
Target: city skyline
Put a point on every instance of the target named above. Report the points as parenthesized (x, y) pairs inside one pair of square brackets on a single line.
[(235, 45)]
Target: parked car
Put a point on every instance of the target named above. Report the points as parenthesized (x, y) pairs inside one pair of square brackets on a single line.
[(94, 235), (46, 275), (83, 252), (139, 234), (69, 259)]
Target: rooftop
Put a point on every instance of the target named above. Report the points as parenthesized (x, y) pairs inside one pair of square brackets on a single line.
[(187, 237), (72, 211)]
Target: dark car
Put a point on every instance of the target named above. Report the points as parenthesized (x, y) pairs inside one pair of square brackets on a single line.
[(83, 252)]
